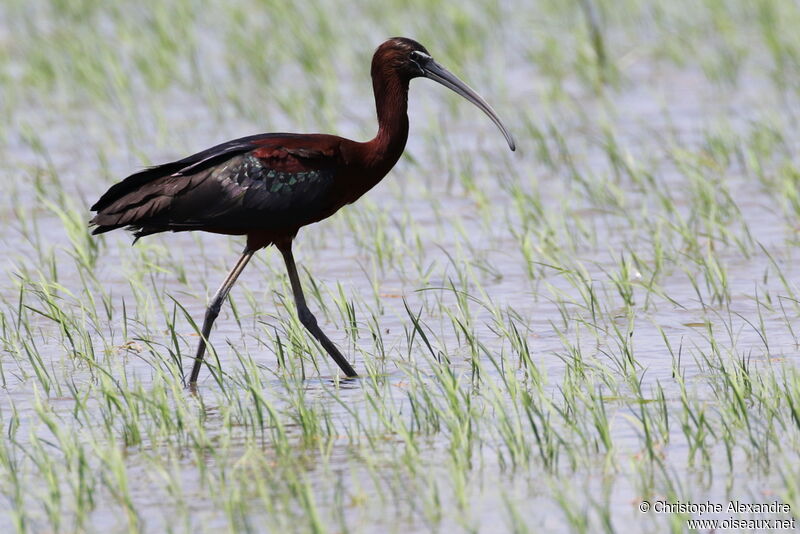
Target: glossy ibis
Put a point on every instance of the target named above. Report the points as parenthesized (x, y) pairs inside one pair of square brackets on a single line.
[(268, 186)]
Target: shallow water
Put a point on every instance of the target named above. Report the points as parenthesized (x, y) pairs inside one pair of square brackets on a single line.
[(445, 218)]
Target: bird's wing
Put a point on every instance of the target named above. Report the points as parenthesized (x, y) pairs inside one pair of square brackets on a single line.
[(270, 184), (188, 165)]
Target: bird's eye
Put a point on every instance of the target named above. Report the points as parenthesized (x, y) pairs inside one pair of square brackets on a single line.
[(419, 59)]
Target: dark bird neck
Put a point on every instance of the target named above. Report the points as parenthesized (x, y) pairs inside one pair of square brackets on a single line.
[(391, 103)]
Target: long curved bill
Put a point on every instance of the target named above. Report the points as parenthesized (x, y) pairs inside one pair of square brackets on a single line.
[(437, 73)]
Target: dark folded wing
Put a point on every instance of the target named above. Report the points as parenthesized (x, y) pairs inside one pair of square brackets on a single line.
[(236, 193), (188, 165)]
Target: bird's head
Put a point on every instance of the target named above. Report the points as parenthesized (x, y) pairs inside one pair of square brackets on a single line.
[(409, 60)]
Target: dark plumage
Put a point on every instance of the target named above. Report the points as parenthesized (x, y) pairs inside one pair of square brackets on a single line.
[(260, 182), (268, 186)]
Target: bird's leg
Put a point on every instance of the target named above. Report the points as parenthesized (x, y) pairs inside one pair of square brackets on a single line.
[(213, 309), (305, 315)]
